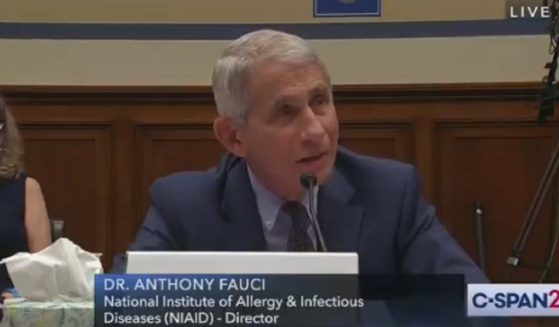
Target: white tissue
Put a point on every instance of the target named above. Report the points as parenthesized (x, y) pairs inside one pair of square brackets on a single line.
[(59, 273)]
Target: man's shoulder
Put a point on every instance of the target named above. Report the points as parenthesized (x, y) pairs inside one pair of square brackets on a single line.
[(187, 181), (199, 181), (186, 191), (364, 168)]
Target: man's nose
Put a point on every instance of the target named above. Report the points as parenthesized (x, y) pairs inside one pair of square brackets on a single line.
[(313, 129)]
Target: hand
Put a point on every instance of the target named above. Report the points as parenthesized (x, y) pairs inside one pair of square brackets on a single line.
[(6, 295)]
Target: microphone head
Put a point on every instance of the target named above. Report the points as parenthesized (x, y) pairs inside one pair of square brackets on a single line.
[(308, 180)]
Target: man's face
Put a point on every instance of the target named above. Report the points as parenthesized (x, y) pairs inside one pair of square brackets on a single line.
[(291, 127)]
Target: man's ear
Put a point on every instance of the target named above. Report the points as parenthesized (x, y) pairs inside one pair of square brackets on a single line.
[(227, 132)]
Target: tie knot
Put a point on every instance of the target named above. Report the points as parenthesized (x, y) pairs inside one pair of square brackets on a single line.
[(296, 211)]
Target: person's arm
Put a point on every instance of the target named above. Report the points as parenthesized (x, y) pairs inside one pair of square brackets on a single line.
[(156, 233), (425, 245), (6, 295), (9, 293), (37, 223)]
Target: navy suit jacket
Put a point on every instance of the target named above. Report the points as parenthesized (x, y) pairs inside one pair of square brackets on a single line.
[(370, 206)]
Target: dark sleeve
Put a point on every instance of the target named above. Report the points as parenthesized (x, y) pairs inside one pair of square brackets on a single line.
[(158, 232), (426, 247), (424, 244)]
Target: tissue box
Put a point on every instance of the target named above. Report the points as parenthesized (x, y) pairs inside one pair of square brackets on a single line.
[(22, 313), (62, 272)]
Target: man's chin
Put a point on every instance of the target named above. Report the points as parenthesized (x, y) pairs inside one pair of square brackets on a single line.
[(323, 174), (322, 170)]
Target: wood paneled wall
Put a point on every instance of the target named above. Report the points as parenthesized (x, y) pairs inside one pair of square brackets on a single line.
[(96, 152)]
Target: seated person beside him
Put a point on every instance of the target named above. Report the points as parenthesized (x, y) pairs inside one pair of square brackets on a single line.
[(23, 213)]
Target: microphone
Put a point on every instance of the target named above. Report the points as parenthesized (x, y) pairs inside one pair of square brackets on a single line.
[(308, 180)]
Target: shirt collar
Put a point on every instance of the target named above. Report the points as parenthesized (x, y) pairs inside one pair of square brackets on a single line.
[(270, 204)]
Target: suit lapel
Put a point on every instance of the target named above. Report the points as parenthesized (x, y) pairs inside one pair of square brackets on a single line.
[(340, 222), (243, 226)]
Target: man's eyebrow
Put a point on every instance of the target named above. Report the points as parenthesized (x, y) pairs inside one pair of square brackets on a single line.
[(320, 89), (282, 98)]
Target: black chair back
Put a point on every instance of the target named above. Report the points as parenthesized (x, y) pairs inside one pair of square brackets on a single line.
[(56, 229)]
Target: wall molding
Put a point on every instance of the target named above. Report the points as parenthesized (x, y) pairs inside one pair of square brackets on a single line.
[(203, 94)]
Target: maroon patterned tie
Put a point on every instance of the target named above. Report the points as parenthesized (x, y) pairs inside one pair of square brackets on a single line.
[(298, 238)]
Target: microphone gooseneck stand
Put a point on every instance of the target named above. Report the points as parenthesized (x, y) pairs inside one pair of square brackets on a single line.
[(548, 95)]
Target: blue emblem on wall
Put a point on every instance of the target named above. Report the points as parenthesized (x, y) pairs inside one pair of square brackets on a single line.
[(346, 8)]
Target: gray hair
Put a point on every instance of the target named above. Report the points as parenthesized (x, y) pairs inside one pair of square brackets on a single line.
[(11, 147), (231, 70)]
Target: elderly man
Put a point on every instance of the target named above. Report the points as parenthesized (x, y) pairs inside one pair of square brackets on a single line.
[(277, 120)]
